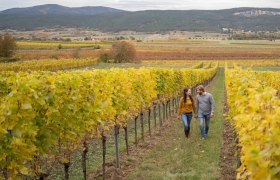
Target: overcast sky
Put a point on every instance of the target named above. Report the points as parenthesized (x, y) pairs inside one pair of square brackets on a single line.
[(134, 5)]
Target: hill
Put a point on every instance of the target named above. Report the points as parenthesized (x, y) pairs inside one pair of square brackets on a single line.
[(108, 19)]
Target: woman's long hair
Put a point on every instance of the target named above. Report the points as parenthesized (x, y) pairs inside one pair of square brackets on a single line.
[(185, 95)]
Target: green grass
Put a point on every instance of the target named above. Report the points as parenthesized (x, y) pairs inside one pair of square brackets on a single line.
[(272, 68), (263, 68), (179, 158), (133, 65)]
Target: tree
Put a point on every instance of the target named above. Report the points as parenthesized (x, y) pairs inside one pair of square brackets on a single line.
[(7, 46), (123, 52)]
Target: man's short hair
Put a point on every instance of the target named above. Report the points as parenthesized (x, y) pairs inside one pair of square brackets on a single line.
[(200, 87)]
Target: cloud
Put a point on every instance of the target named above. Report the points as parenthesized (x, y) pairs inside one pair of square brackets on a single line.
[(134, 5)]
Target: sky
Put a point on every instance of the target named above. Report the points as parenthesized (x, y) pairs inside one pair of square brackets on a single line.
[(135, 5)]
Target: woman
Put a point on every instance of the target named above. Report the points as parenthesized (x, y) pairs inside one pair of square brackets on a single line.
[(186, 109)]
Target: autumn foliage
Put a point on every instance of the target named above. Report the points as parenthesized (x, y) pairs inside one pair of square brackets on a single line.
[(121, 52)]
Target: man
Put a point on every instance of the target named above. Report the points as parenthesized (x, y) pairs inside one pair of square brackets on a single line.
[(204, 109)]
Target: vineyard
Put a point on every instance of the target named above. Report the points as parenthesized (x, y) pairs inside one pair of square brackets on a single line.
[(155, 50), (65, 115), (254, 109), (45, 116), (246, 63), (33, 45), (47, 64)]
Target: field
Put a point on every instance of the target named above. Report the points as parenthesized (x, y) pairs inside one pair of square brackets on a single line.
[(64, 115), (158, 50)]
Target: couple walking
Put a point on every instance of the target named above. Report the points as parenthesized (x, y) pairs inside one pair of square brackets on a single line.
[(203, 107)]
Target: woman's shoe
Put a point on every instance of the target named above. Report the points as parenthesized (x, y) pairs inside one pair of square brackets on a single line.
[(186, 133)]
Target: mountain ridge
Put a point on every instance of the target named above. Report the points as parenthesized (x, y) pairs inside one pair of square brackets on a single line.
[(112, 20), (59, 10)]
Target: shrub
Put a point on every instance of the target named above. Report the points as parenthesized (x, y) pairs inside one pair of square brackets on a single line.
[(123, 52), (7, 46)]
